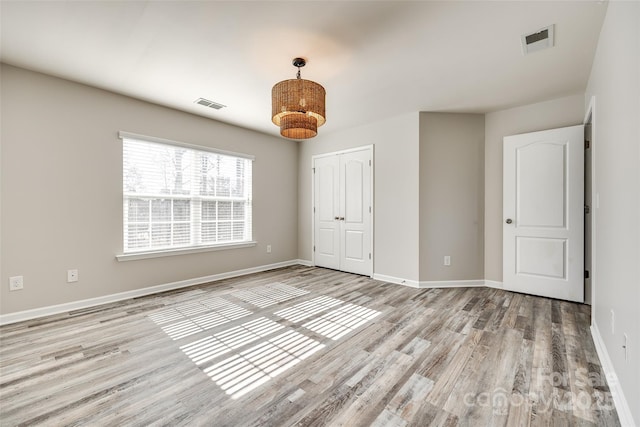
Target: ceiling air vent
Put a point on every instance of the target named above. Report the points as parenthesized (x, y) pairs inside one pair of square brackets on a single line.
[(209, 104), (541, 39)]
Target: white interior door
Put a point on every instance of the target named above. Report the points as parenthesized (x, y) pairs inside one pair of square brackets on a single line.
[(543, 203), (343, 211), (355, 212)]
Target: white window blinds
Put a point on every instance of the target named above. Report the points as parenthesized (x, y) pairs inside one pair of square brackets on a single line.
[(177, 196)]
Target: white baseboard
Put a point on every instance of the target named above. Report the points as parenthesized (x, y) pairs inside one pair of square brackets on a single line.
[(20, 316), (396, 280), (304, 262), (622, 407), (428, 284)]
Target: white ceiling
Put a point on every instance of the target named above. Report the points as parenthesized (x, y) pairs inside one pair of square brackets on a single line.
[(376, 59)]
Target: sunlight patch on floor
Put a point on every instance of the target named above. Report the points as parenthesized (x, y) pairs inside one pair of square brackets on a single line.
[(268, 295), (255, 366), (210, 347), (246, 370), (182, 326), (339, 322), (307, 309)]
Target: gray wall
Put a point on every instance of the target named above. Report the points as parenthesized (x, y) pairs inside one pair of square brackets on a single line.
[(615, 84), (61, 188), (451, 196), (396, 200), (556, 113)]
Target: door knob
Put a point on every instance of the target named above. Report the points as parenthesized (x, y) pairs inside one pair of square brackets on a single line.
[(341, 218), (337, 218), (508, 221)]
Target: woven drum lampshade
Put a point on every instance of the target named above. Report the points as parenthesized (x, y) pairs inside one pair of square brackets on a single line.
[(297, 106)]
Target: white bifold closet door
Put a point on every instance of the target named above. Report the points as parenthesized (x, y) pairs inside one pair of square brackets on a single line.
[(342, 212)]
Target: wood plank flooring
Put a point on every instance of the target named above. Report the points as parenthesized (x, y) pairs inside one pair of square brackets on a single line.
[(303, 346)]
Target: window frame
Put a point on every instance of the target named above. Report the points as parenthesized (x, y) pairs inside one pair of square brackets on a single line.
[(193, 247)]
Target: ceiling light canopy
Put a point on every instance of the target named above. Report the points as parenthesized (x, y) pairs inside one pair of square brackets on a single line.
[(297, 106)]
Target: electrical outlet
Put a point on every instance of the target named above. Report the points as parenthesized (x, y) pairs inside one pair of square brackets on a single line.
[(447, 260), (268, 249), (16, 283), (72, 276)]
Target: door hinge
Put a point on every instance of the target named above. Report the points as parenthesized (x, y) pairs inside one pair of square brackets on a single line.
[(587, 144), (369, 209), (314, 170), (586, 274), (314, 209), (369, 162), (369, 255), (587, 209), (314, 249)]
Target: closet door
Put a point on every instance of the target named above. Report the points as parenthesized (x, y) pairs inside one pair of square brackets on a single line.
[(343, 211)]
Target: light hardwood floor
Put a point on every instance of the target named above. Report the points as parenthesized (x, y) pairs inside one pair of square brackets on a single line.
[(307, 347)]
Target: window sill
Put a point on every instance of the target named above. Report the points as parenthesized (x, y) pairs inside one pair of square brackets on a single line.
[(183, 251)]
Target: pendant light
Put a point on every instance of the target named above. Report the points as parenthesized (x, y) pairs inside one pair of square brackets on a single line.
[(297, 106)]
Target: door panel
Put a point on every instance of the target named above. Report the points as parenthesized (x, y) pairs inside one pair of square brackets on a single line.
[(353, 190), (327, 185), (354, 245), (541, 257), (326, 206), (326, 245), (540, 177), (543, 213)]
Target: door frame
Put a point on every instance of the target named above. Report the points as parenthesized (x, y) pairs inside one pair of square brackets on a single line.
[(590, 119), (371, 149)]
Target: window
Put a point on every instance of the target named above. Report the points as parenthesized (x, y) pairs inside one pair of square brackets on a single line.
[(176, 196)]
